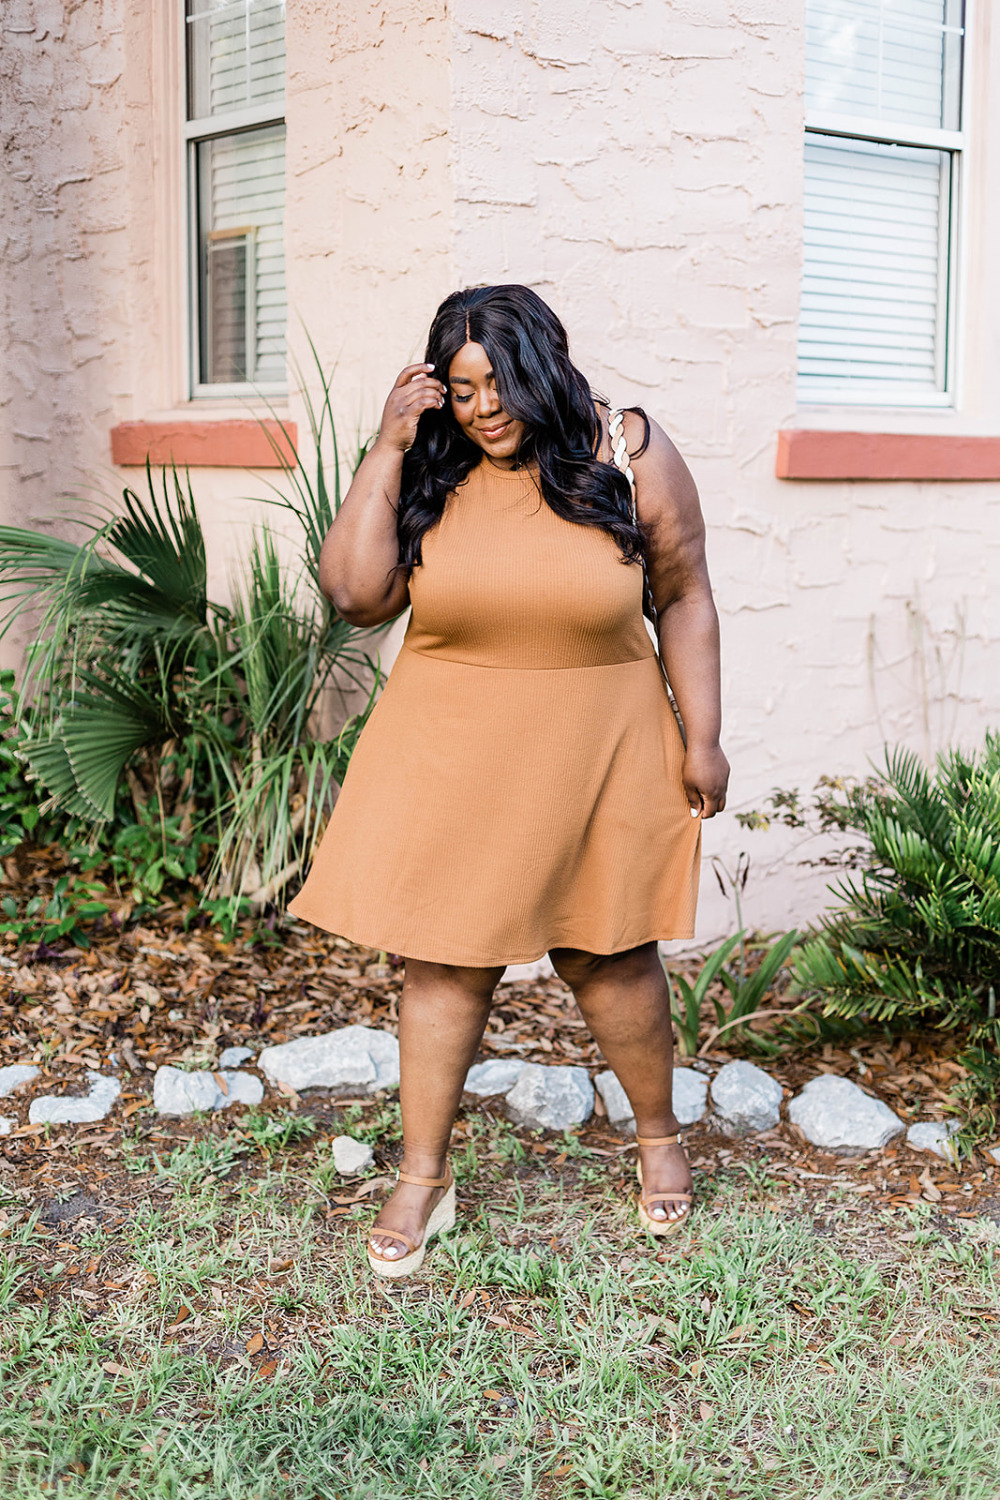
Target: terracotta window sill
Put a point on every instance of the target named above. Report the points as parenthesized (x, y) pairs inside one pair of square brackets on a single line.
[(242, 443), (805, 454)]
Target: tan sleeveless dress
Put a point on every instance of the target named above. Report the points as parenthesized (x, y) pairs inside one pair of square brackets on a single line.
[(518, 785)]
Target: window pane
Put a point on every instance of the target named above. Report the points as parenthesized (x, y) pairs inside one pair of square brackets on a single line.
[(875, 280), (236, 55), (890, 60), (241, 197)]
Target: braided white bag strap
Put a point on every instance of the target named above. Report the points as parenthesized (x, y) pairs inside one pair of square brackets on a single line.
[(619, 451), (620, 459)]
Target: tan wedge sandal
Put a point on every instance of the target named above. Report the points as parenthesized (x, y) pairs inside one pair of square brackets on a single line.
[(660, 1226), (440, 1219)]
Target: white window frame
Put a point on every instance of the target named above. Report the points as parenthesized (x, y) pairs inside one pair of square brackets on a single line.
[(846, 127), (235, 122)]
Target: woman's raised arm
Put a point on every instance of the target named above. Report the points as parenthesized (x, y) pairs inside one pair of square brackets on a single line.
[(358, 560), (670, 512)]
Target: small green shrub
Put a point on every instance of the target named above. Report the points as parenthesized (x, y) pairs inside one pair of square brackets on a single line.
[(74, 905), (747, 984), (686, 999), (915, 937), (20, 811)]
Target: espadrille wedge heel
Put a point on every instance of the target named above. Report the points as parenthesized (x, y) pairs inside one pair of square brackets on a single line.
[(682, 1200), (440, 1219)]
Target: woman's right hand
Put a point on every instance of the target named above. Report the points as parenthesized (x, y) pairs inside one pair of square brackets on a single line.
[(415, 392)]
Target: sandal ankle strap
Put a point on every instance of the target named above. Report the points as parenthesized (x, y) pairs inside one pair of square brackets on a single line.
[(425, 1181), (658, 1140)]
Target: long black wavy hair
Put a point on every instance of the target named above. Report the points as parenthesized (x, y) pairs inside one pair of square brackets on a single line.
[(538, 385)]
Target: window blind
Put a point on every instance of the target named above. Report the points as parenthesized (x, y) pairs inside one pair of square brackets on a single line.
[(237, 50), (883, 143), (242, 180), (872, 294), (887, 60), (236, 81)]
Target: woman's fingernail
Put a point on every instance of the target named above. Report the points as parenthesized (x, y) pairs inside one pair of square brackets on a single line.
[(695, 812)]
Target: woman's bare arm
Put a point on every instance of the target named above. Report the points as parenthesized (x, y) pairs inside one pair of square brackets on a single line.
[(358, 560), (668, 506)]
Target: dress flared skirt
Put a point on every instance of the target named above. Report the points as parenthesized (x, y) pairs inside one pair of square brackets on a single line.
[(491, 814)]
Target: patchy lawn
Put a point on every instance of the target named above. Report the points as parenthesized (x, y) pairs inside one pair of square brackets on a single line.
[(186, 1311), (203, 1324)]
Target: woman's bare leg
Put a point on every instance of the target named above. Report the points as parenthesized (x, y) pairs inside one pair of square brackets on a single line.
[(442, 1017), (624, 1000)]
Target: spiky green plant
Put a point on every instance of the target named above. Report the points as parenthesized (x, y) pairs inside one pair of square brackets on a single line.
[(132, 666), (916, 936)]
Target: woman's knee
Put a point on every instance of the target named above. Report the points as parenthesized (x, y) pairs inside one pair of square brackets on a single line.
[(455, 979), (577, 968)]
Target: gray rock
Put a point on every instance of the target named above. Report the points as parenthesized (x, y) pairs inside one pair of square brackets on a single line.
[(178, 1093), (836, 1115), (615, 1100), (351, 1059), (232, 1057), (745, 1098), (244, 1088), (7, 1124), (95, 1105), (993, 1152), (15, 1074), (934, 1135), (690, 1096), (551, 1098), (350, 1156), (495, 1076)]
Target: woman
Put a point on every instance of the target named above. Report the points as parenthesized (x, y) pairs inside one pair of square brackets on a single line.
[(522, 785)]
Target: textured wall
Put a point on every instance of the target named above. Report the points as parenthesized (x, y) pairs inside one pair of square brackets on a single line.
[(369, 209), (65, 333), (640, 165)]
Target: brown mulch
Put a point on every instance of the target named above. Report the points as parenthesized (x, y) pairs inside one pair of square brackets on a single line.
[(155, 994)]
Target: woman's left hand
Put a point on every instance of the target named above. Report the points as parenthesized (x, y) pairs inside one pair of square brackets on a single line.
[(706, 776)]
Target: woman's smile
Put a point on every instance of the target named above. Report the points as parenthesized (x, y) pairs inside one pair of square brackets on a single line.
[(477, 406)]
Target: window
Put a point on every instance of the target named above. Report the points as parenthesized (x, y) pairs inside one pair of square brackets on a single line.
[(883, 162), (236, 172)]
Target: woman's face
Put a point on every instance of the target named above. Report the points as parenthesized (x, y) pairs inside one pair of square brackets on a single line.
[(477, 408)]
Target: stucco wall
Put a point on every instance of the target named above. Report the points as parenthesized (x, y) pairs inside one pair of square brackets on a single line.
[(369, 208), (641, 167), (66, 191)]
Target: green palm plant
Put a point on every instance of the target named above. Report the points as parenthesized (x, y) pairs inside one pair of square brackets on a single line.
[(131, 663), (916, 936)]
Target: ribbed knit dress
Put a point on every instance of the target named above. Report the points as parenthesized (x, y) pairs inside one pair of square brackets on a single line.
[(518, 786)]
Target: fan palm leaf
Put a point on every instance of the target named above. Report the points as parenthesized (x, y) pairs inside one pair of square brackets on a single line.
[(99, 731)]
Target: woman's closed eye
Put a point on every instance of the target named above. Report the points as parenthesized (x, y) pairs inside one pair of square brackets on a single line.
[(461, 399)]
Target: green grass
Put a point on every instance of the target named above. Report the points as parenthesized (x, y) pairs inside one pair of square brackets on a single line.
[(778, 1348)]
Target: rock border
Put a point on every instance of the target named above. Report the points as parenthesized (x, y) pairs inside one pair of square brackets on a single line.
[(830, 1112)]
